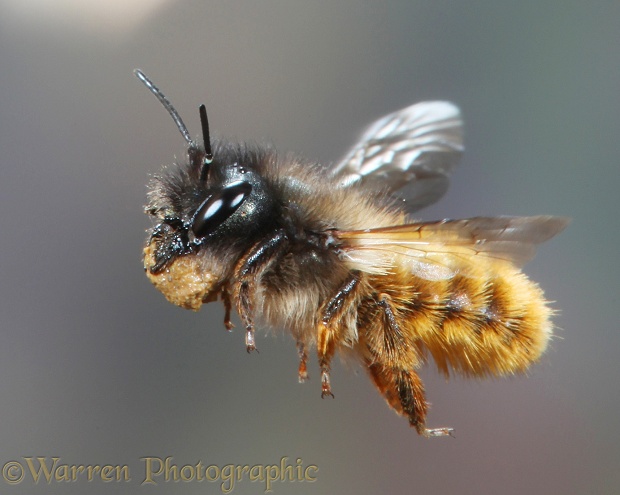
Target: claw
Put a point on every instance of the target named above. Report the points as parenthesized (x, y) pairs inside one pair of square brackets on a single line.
[(325, 385), (438, 432), (302, 373), (250, 343)]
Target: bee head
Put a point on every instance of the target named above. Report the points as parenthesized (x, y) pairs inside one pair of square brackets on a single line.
[(205, 210)]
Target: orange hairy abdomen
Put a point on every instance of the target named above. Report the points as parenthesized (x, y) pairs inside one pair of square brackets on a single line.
[(490, 321)]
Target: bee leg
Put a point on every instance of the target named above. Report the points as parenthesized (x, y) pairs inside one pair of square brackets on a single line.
[(303, 358), (325, 349), (404, 392), (246, 274), (402, 388), (329, 326), (227, 307)]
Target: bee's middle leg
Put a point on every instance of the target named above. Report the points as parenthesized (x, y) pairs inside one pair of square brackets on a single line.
[(329, 326), (302, 372)]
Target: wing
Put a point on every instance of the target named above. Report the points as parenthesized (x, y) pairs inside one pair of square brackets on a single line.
[(437, 250), (419, 145)]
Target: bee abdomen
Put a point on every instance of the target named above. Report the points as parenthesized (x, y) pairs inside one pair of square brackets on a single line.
[(493, 325), (496, 326)]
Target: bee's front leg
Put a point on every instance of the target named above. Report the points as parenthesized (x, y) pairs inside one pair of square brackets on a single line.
[(246, 274), (330, 327), (225, 295)]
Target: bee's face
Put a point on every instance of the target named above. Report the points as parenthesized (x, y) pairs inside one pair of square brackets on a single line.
[(202, 220)]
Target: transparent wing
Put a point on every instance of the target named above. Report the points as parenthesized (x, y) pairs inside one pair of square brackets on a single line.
[(439, 250), (419, 145)]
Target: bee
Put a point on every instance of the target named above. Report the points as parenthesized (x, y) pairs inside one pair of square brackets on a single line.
[(332, 255)]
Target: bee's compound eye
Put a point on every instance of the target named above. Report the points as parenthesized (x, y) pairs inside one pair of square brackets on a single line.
[(216, 209)]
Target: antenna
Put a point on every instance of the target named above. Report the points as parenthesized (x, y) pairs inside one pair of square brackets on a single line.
[(168, 106), (204, 172)]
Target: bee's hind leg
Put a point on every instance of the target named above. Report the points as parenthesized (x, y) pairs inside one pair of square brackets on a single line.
[(393, 376)]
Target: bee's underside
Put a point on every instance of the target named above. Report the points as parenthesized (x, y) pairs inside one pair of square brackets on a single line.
[(330, 256)]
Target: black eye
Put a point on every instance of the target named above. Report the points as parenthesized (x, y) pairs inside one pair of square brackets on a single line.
[(216, 209)]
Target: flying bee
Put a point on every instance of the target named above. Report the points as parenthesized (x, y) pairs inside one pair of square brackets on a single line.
[(332, 255)]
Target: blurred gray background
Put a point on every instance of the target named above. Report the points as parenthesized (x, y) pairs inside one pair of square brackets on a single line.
[(97, 368)]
